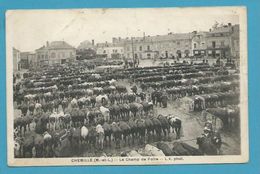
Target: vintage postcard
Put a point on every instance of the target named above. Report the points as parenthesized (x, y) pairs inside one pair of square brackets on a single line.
[(130, 86)]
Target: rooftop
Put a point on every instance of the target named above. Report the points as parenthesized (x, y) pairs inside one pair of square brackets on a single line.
[(86, 45), (224, 28), (158, 38), (56, 45)]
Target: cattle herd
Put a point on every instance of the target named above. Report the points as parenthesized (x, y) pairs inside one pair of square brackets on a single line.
[(67, 110)]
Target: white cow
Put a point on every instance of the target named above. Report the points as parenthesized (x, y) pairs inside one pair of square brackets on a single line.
[(105, 112)]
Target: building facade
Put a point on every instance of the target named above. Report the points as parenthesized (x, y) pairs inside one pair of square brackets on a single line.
[(32, 60), (110, 50), (223, 41), (160, 46), (24, 60), (16, 60), (199, 44), (28, 60), (219, 42), (56, 52), (235, 42)]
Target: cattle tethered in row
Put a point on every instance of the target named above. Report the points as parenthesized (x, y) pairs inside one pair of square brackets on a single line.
[(204, 101)]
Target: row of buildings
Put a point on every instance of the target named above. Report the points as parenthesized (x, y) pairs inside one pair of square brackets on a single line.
[(220, 41), (57, 52)]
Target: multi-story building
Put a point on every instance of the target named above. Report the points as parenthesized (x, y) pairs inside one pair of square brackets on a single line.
[(16, 60), (139, 48), (110, 50), (56, 52), (235, 48), (32, 60), (198, 44), (28, 60), (24, 60), (160, 46), (223, 41), (218, 42)]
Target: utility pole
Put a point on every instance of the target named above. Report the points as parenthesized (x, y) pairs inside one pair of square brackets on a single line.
[(133, 56), (133, 51)]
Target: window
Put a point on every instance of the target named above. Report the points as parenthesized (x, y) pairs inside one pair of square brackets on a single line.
[(140, 48), (63, 54), (195, 45), (140, 55), (104, 51), (222, 43), (71, 54), (134, 48), (148, 47), (53, 55), (213, 44), (178, 43)]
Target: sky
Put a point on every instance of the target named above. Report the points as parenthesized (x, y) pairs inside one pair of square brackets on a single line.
[(28, 30)]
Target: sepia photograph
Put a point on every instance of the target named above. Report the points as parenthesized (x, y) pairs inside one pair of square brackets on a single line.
[(127, 86)]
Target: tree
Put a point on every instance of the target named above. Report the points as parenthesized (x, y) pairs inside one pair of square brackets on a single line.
[(215, 25)]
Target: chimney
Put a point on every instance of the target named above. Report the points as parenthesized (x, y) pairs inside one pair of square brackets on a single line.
[(93, 42), (47, 43), (114, 39), (209, 30)]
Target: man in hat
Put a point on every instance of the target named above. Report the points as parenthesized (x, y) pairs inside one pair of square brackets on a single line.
[(207, 132), (208, 124)]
